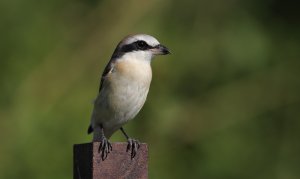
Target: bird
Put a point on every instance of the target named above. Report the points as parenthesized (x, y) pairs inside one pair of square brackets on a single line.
[(123, 90)]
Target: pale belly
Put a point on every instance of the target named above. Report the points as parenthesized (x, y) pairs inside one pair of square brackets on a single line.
[(127, 100), (120, 101)]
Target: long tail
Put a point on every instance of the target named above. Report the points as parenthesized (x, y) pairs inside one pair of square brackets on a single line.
[(90, 129)]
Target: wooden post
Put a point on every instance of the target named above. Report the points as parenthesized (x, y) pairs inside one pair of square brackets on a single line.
[(89, 165)]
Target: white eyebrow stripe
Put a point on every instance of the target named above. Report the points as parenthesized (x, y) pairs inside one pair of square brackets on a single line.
[(147, 38)]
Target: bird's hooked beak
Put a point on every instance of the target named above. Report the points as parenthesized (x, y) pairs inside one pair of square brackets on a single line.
[(160, 50)]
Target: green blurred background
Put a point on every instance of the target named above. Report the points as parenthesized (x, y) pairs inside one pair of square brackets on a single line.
[(225, 104)]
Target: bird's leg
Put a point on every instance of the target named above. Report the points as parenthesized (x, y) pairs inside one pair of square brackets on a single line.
[(133, 144), (105, 146)]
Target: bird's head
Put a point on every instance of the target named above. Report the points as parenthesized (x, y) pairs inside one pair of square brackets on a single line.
[(140, 46)]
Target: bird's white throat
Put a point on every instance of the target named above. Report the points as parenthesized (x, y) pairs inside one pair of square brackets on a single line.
[(139, 56)]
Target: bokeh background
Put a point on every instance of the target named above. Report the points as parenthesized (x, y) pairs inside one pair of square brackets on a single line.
[(225, 104)]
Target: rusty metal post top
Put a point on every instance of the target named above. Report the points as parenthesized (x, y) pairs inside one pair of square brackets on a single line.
[(118, 164)]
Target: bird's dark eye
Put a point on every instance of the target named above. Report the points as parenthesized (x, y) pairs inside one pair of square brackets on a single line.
[(141, 44)]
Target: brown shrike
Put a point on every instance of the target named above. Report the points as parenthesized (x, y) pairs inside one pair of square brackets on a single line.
[(123, 89)]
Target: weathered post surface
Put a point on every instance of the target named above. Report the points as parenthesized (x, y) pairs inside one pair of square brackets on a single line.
[(118, 164)]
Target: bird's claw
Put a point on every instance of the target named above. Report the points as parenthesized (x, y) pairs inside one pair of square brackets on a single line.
[(105, 148), (133, 146)]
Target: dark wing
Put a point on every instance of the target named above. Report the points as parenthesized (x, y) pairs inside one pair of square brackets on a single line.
[(109, 67), (118, 53)]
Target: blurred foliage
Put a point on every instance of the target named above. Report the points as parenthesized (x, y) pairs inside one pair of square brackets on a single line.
[(225, 104)]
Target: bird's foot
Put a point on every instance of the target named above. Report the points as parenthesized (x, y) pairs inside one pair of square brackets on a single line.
[(133, 146), (105, 148)]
